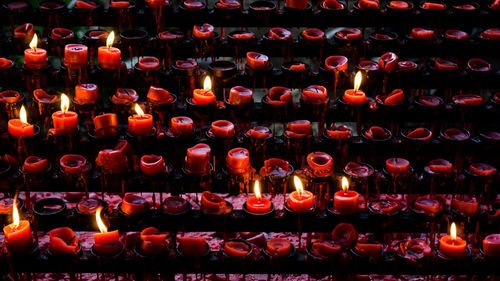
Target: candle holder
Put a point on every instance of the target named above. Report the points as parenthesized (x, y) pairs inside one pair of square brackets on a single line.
[(163, 111), (295, 78), (486, 42), (219, 147), (223, 74), (149, 260), (378, 146), (194, 183), (277, 184), (278, 113), (381, 42), (418, 47), (197, 260), (93, 39), (24, 256), (374, 77), (171, 42), (9, 74), (26, 146), (52, 13), (241, 114), (160, 13), (36, 181), (429, 108), (17, 14), (455, 147), (63, 142), (479, 73), (176, 216), (196, 15), (262, 11), (144, 78), (160, 181), (349, 47), (227, 16), (388, 114), (114, 183), (124, 15), (258, 76), (255, 216), (408, 78), (37, 78), (353, 111), (88, 218), (426, 220), (10, 110), (203, 114), (297, 148), (439, 182), (98, 143), (242, 45), (446, 77), (258, 148), (381, 218), (87, 16), (50, 212), (236, 260), (176, 147), (360, 261), (366, 15), (412, 261), (56, 44), (204, 48), (134, 41), (234, 184), (112, 78), (446, 260), (360, 181), (422, 145), (284, 47), (104, 262), (315, 112), (399, 14), (186, 78), (6, 171), (280, 261), (338, 148), (434, 15)]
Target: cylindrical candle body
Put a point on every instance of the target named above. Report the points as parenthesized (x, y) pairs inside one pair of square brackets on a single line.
[(346, 202), (109, 58), (140, 125), (65, 121)]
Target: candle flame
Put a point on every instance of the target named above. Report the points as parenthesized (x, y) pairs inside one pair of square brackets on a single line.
[(100, 224), (34, 42), (110, 40), (345, 184), (23, 116), (357, 81), (298, 185), (256, 190), (15, 213), (453, 231), (138, 110), (207, 84), (64, 103)]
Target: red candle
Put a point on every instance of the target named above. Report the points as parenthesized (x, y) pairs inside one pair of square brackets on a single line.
[(257, 61), (7, 203), (299, 129), (279, 96), (198, 160), (456, 34), (397, 165), (153, 165), (428, 101), (228, 4), (296, 4), (24, 31), (73, 164), (441, 64), (89, 206), (236, 248), (367, 249), (86, 93), (315, 94), (43, 97), (85, 5), (468, 99), (320, 164), (193, 246), (432, 6), (325, 249), (212, 203), (106, 243), (300, 200), (112, 161), (240, 95), (64, 120), (18, 237), (205, 31), (275, 167), (181, 126), (491, 34), (204, 96), (119, 4), (368, 4), (491, 245), (222, 129), (336, 63), (422, 134), (482, 169), (377, 133), (388, 62), (174, 205), (35, 58), (6, 63), (20, 128), (159, 95), (428, 206), (332, 5), (133, 204), (278, 247), (422, 34), (75, 55), (238, 161), (278, 33), (345, 201), (148, 63), (63, 242), (440, 166), (259, 132), (140, 124), (35, 165), (153, 241), (349, 34), (452, 246), (399, 5), (355, 96), (313, 34), (467, 206), (258, 204), (124, 96), (109, 57), (105, 124), (339, 132)]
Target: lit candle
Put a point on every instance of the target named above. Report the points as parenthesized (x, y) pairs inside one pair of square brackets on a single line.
[(140, 124), (204, 96), (451, 245), (20, 127), (109, 57), (65, 120), (345, 201), (355, 96), (300, 200), (105, 243), (35, 58), (18, 237), (75, 55), (257, 204)]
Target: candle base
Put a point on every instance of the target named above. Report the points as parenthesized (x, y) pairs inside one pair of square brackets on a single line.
[(277, 113), (38, 181), (177, 216), (11, 110), (194, 183), (197, 15), (443, 258), (262, 11), (308, 213), (219, 148), (276, 261), (337, 147), (204, 256), (111, 78), (411, 260), (146, 144), (258, 148), (326, 261), (350, 48), (115, 183), (144, 78), (334, 79), (204, 48), (9, 77), (60, 142), (257, 215), (88, 219), (298, 16), (66, 261), (171, 46), (163, 111), (241, 46), (297, 149), (74, 75), (138, 220), (258, 77), (86, 17), (50, 212), (223, 74), (142, 256), (23, 256), (37, 78), (203, 114), (123, 15), (106, 261), (360, 261), (399, 183), (185, 80), (223, 213), (340, 216), (296, 79)]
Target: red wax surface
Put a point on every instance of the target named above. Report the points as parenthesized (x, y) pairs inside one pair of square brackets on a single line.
[(455, 134), (35, 58), (332, 5), (428, 206), (109, 57), (153, 241), (257, 61), (228, 4), (344, 234), (243, 35), (73, 164), (320, 164), (354, 97), (6, 63), (126, 148), (315, 94), (407, 66), (42, 97), (420, 134), (17, 5), (429, 100), (258, 206), (422, 34), (366, 249), (349, 34), (338, 132), (18, 239), (388, 61), (297, 66), (26, 30), (278, 33), (467, 206), (181, 126), (165, 35), (491, 245), (357, 170), (19, 129), (35, 165), (159, 95), (259, 132), (368, 65), (442, 64), (6, 205), (133, 204), (368, 4), (279, 96), (124, 96), (152, 164), (468, 99), (376, 133), (478, 65), (157, 3), (212, 203), (112, 161), (278, 247), (456, 34), (65, 121), (61, 33), (324, 249), (394, 98), (148, 63), (203, 97), (193, 246), (440, 166), (275, 167), (105, 124), (414, 249), (491, 34), (205, 31), (140, 125), (63, 242), (482, 169), (120, 4), (238, 161), (9, 96), (236, 249), (222, 129), (346, 202), (86, 93), (399, 5), (336, 63), (105, 238), (452, 248), (313, 34), (301, 202), (98, 34), (193, 4), (433, 6), (174, 205), (198, 160), (296, 4), (299, 129), (85, 5), (240, 95), (385, 207), (89, 206), (397, 165)]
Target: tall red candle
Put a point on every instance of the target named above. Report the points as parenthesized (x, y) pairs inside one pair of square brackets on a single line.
[(109, 57), (451, 245), (258, 204), (20, 127), (65, 120), (345, 201), (140, 124), (300, 200), (35, 58), (198, 160)]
